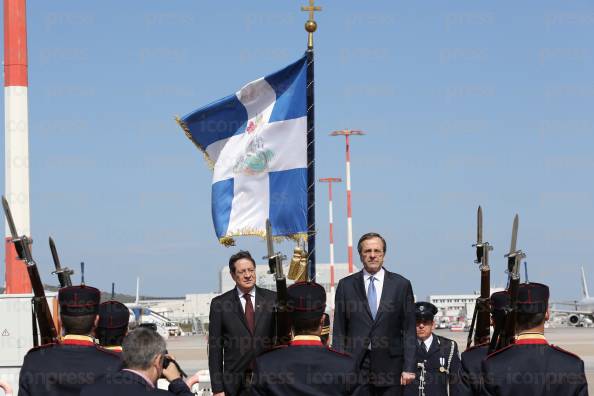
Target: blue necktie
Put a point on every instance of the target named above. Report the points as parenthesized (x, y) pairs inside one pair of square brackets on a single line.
[(372, 297)]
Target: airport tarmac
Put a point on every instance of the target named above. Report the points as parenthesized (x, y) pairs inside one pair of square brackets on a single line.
[(191, 352)]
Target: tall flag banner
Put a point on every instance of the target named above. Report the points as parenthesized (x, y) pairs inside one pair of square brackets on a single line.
[(256, 144)]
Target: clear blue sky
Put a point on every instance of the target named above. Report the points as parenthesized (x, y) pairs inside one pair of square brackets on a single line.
[(464, 103)]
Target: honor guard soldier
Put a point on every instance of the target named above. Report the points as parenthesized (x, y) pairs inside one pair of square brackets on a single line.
[(472, 358), (437, 358), (306, 366), (113, 325), (64, 368), (531, 366)]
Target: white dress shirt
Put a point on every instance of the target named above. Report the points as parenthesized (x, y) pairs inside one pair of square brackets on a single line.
[(427, 342), (252, 294), (378, 283)]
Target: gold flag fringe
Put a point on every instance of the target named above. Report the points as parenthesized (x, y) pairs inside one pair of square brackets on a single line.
[(228, 240), (186, 130)]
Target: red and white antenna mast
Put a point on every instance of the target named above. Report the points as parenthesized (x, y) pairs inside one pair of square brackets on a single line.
[(331, 180), (16, 138), (347, 133)]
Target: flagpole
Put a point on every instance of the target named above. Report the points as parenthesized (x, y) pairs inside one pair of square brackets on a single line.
[(310, 27)]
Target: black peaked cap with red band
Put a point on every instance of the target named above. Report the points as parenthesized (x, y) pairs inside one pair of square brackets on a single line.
[(113, 315), (533, 298), (306, 300), (79, 300)]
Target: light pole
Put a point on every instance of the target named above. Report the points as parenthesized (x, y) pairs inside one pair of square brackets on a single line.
[(347, 133), (331, 180), (16, 138)]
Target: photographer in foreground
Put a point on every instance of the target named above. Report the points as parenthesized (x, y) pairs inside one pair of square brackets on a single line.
[(144, 353)]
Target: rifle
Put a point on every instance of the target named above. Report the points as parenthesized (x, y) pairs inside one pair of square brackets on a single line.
[(481, 316), (504, 333), (63, 273), (41, 309), (275, 264)]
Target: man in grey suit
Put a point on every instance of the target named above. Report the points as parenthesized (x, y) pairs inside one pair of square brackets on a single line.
[(241, 327), (374, 320)]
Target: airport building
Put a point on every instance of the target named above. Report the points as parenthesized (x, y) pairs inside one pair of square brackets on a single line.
[(455, 307)]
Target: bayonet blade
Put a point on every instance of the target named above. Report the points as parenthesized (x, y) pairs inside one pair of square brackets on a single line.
[(269, 244), (514, 239), (55, 254), (9, 218), (479, 226)]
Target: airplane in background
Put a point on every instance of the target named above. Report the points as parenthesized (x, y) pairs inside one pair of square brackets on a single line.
[(583, 312), (142, 315)]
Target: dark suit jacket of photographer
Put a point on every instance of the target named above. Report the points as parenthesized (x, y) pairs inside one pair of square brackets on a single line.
[(231, 346), (392, 334)]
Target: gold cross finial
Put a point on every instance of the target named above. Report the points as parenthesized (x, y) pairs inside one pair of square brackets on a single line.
[(311, 24), (311, 8)]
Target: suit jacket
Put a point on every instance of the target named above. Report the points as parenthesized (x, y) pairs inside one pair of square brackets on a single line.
[(470, 369), (441, 372), (302, 369), (63, 369), (392, 334), (231, 346), (126, 383), (533, 368)]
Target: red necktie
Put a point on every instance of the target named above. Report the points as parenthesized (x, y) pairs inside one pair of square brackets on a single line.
[(249, 313)]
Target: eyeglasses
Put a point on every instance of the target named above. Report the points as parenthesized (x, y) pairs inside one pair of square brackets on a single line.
[(248, 271)]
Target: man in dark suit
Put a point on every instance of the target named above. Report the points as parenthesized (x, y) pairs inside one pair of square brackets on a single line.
[(144, 353), (472, 358), (241, 327), (62, 369), (306, 366), (530, 366), (438, 362), (374, 320)]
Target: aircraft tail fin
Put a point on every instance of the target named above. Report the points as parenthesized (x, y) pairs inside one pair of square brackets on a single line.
[(584, 285)]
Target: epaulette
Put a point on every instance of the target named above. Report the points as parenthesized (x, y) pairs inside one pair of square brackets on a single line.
[(109, 352), (443, 338), (565, 351), (447, 339), (499, 351), (44, 346), (339, 352)]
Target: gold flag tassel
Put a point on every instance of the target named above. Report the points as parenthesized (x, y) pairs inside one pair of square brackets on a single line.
[(298, 266)]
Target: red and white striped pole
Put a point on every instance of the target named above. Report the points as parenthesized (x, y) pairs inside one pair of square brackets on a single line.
[(331, 180), (346, 133), (16, 138)]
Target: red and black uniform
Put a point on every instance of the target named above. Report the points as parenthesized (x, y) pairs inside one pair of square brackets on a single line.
[(62, 369), (305, 367), (533, 367), (530, 366)]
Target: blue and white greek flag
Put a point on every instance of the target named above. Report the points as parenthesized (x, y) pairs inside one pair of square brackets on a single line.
[(256, 142)]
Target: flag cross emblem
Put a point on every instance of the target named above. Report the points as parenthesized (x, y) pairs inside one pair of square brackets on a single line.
[(256, 143)]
